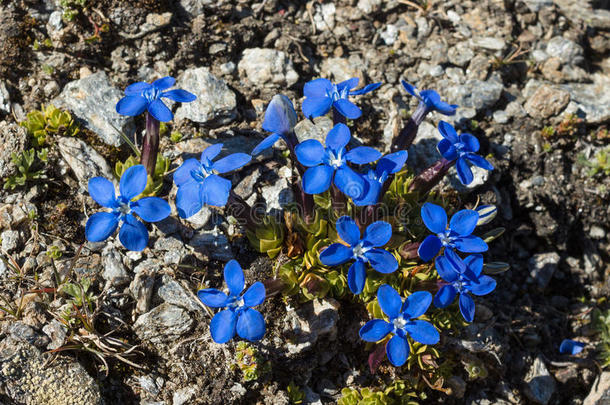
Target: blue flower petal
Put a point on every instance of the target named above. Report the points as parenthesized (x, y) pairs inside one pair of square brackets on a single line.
[(215, 191), (392, 163), (423, 332), (434, 217), (151, 209), (222, 326), (467, 307), (366, 89), (310, 152), (445, 108), (447, 150), (100, 226), (317, 88), (133, 234), (338, 137), (164, 83), (378, 233), (448, 132), (316, 106), (234, 277), (445, 296), (160, 111), (102, 191), (572, 347), (463, 171), (349, 182), (213, 298), (431, 98), (188, 199), (265, 144), (251, 325), (254, 295), (131, 105), (280, 116), (446, 270), (335, 254), (231, 162), (347, 109), (362, 155), (372, 190), (389, 300), (317, 179), (412, 90), (348, 230), (347, 84), (483, 285), (479, 161), (183, 174), (470, 244), (133, 182), (463, 222), (137, 88), (454, 260), (356, 277), (471, 144), (375, 330), (429, 248), (179, 95), (417, 304), (397, 350), (210, 153), (474, 264)]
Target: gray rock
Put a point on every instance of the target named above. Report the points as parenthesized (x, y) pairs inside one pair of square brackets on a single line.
[(5, 99), (480, 177), (28, 378), (542, 267), (267, 67), (369, 6), (24, 333), (318, 129), (597, 232), (13, 139), (586, 11), (184, 395), (340, 69), (201, 218), (546, 102), (500, 116), (324, 17), (215, 102), (163, 324), (600, 392), (10, 240), (389, 34), (278, 194), (461, 54), (56, 332), (55, 22), (514, 109), (214, 243), (309, 322), (540, 384), (491, 43), (592, 100), (148, 384), (174, 293), (114, 272), (569, 52), (84, 161), (195, 7), (93, 100), (537, 5), (476, 94), (423, 152)]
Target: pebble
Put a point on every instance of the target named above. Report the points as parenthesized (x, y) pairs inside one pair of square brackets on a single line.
[(490, 43), (568, 52), (213, 243), (324, 18), (5, 99), (114, 272), (540, 384), (476, 94), (600, 392), (546, 102), (590, 99), (163, 324), (542, 266), (460, 54), (84, 161), (13, 139), (267, 67), (174, 293), (195, 7), (309, 322)]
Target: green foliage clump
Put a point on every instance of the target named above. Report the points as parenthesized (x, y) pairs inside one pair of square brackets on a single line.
[(154, 183), (250, 362), (268, 237), (400, 392), (42, 124), (28, 167), (600, 163), (71, 8), (295, 394), (601, 324)]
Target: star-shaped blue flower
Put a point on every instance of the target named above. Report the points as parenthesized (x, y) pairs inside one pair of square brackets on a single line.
[(239, 316), (322, 95), (430, 99), (142, 96), (457, 236), (374, 179), (280, 119), (402, 323), (464, 277), (463, 149), (324, 163), (198, 183), (133, 234), (363, 251)]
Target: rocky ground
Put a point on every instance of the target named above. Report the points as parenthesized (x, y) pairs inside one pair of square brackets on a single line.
[(531, 77)]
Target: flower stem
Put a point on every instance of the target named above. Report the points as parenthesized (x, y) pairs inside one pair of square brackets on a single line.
[(407, 135), (338, 200), (150, 146), (430, 177)]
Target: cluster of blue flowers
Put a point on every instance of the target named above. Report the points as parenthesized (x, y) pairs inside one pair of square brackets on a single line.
[(322, 167)]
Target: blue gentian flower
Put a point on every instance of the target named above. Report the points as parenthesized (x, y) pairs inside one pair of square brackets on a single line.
[(374, 179), (142, 96), (133, 234), (464, 277), (198, 183), (571, 347), (239, 315), (402, 323), (463, 149), (321, 95), (430, 100), (280, 119), (323, 163), (457, 236), (361, 250)]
